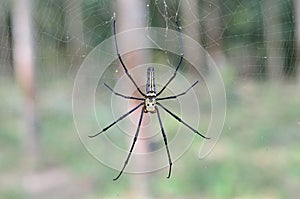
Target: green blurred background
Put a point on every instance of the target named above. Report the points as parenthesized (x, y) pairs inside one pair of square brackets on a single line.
[(254, 43)]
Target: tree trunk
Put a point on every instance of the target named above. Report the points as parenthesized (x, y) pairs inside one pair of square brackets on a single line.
[(214, 33), (297, 22), (130, 15), (192, 28), (273, 38), (5, 55), (76, 48), (23, 53)]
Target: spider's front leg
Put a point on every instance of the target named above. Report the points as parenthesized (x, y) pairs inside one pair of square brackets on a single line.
[(119, 119), (133, 143), (165, 141), (181, 121)]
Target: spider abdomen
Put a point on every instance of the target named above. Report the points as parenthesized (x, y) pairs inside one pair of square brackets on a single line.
[(150, 100), (150, 86)]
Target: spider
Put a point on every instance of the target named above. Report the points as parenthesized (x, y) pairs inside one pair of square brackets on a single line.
[(150, 101)]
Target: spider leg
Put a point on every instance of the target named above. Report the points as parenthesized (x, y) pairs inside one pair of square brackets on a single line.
[(166, 142), (121, 95), (133, 143), (179, 63), (120, 58), (181, 121), (120, 118), (175, 96)]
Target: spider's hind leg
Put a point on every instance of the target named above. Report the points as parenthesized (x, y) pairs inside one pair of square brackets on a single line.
[(179, 63), (122, 62)]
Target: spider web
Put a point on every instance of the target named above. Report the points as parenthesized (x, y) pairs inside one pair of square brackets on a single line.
[(65, 31), (253, 43)]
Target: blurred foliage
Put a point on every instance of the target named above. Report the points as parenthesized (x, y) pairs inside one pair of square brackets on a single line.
[(242, 24), (256, 157)]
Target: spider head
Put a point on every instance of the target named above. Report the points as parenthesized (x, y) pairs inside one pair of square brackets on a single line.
[(150, 104)]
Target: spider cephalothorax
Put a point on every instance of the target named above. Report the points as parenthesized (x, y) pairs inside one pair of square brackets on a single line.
[(150, 105), (150, 102)]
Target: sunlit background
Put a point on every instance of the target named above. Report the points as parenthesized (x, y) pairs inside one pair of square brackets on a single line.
[(255, 45)]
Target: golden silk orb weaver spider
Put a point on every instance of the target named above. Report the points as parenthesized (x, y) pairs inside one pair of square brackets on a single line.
[(150, 101)]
